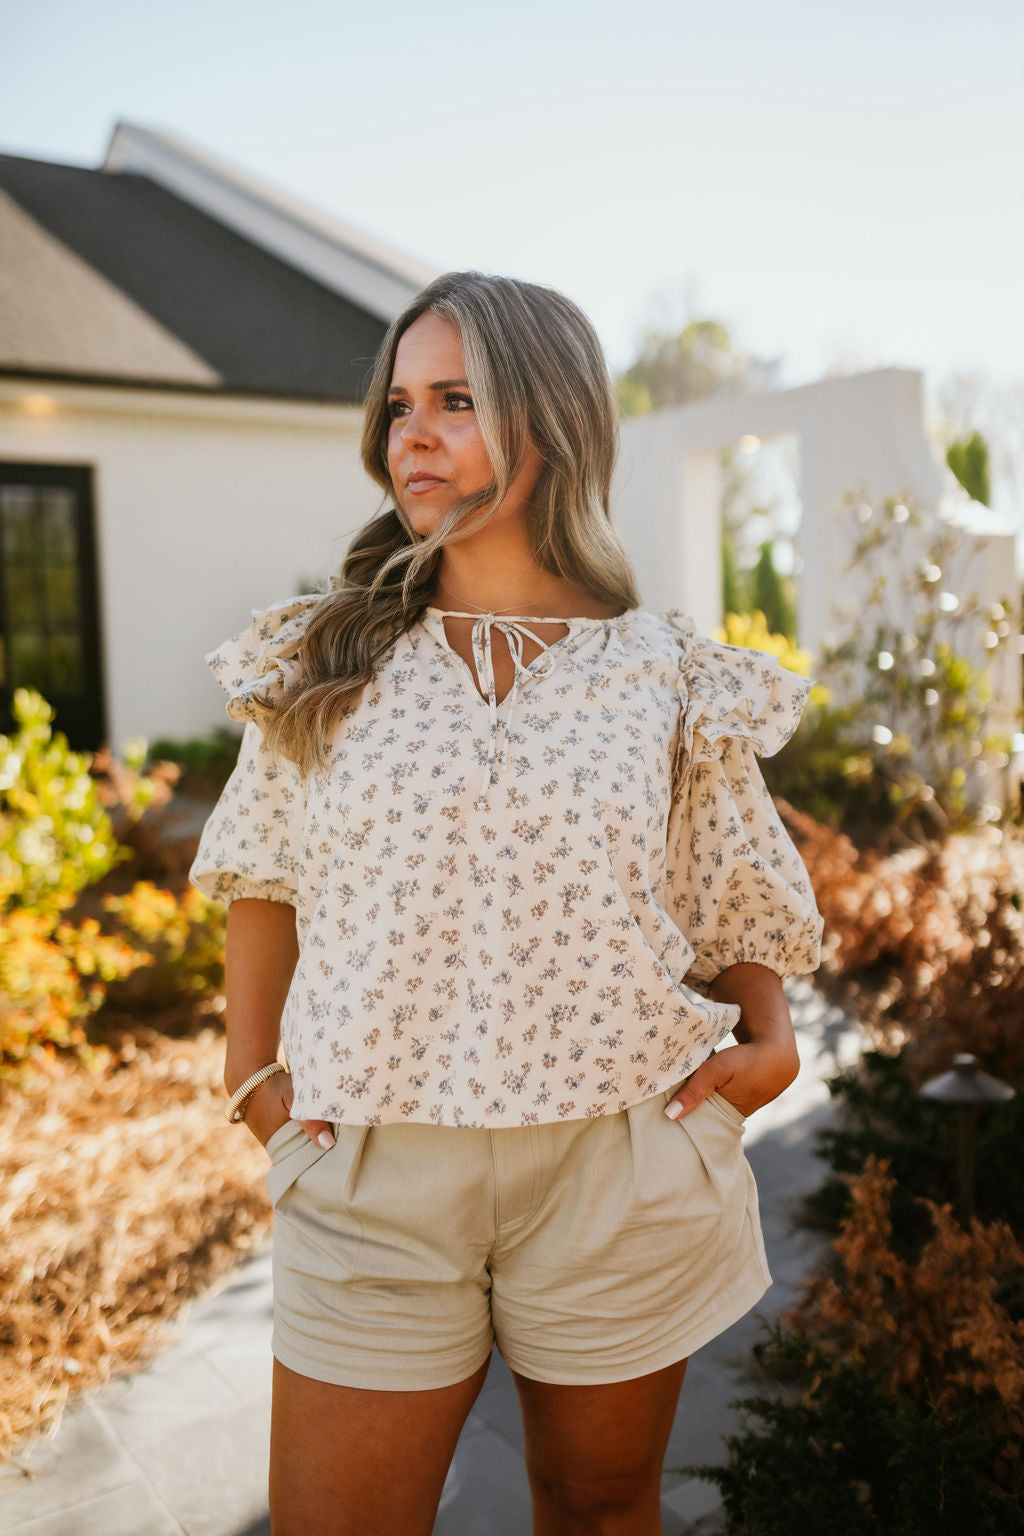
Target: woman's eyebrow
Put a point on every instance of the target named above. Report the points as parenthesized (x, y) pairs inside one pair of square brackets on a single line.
[(398, 389)]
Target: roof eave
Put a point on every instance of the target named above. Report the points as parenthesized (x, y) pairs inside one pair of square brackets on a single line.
[(362, 270)]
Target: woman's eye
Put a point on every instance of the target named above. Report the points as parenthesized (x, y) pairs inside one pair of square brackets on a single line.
[(455, 402), (395, 408)]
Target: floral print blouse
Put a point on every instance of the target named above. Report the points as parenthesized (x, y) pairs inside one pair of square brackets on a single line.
[(509, 912)]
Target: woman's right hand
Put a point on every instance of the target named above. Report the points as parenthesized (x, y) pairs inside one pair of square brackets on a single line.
[(270, 1107)]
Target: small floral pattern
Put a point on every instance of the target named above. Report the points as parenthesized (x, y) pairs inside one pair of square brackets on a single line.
[(493, 938)]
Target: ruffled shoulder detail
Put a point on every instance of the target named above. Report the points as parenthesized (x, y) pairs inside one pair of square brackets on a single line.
[(257, 666), (730, 690)]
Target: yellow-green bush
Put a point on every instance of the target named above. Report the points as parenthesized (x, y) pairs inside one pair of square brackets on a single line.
[(56, 839), (53, 975), (57, 977), (184, 936), (55, 836)]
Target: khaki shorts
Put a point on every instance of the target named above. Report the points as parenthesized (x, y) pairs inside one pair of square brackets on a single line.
[(589, 1250)]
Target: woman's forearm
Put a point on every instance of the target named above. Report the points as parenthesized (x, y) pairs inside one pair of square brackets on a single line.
[(764, 1012), (261, 951)]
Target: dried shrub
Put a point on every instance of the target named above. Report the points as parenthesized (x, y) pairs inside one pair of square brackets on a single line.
[(935, 1328), (139, 805), (906, 1379), (124, 1194), (925, 948)]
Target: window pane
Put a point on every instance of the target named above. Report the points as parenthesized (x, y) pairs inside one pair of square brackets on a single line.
[(65, 665), (19, 517), (58, 513), (22, 603), (28, 660), (61, 596)]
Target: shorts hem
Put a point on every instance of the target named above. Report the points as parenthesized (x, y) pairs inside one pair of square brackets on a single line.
[(728, 1308), (411, 1375)]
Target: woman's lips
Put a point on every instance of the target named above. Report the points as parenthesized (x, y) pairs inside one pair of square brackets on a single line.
[(423, 483)]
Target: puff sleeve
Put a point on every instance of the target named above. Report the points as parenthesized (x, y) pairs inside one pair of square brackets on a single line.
[(251, 844), (736, 886)]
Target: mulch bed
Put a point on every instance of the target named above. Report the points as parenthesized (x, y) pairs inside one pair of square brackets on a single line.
[(123, 1194)]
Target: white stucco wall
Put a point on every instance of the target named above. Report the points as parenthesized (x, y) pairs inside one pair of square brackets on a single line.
[(204, 510), (863, 435)]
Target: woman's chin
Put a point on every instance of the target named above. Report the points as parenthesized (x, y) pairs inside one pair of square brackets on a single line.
[(423, 520)]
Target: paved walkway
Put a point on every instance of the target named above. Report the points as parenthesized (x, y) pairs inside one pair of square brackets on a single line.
[(180, 1448)]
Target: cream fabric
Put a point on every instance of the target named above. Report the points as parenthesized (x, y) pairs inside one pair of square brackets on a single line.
[(511, 937)]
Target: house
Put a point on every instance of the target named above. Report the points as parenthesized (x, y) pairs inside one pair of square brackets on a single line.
[(183, 353)]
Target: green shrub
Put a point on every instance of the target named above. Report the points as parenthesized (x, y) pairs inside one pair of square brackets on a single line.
[(904, 1382), (57, 840), (206, 761), (846, 1459), (55, 836), (825, 771), (884, 1116)]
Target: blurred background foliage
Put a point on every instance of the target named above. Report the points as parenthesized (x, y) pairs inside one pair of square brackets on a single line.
[(65, 972)]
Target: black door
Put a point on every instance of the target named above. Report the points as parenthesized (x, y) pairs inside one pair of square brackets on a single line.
[(49, 616)]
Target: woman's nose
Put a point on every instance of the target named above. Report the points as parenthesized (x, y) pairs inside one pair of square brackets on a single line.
[(417, 428)]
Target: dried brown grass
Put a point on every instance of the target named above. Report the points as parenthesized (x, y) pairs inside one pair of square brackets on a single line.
[(122, 1195)]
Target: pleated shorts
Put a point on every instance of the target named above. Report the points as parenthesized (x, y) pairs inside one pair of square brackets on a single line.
[(588, 1251)]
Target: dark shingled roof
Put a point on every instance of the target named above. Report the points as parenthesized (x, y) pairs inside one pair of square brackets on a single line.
[(260, 326)]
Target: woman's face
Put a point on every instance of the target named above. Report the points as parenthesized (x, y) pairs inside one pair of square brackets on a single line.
[(436, 452)]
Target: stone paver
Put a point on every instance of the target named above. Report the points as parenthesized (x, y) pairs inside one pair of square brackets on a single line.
[(180, 1448)]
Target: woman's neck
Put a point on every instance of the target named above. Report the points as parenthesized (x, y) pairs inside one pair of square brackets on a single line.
[(526, 592)]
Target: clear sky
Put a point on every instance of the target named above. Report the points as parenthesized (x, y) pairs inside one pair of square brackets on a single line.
[(838, 184)]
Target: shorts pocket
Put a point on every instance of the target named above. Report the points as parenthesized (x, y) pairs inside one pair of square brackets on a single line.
[(728, 1110), (715, 1132), (291, 1152), (275, 1138)]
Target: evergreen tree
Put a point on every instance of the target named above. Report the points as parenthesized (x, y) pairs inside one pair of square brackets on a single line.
[(968, 458), (770, 595), (733, 598)]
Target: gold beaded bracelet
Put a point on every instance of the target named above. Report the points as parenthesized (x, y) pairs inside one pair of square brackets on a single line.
[(241, 1096)]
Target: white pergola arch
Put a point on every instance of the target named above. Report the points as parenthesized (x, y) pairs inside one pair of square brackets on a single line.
[(865, 434)]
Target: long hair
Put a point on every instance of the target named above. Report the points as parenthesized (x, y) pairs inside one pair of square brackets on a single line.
[(537, 375)]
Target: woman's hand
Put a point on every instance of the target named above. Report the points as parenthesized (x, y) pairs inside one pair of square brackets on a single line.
[(764, 1062), (269, 1108), (749, 1076)]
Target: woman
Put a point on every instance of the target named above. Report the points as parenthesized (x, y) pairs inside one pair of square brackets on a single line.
[(488, 813)]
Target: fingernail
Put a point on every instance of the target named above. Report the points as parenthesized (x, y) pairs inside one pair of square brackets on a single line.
[(674, 1109), (325, 1139)]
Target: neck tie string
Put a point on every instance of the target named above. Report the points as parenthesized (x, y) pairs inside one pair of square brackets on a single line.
[(483, 656)]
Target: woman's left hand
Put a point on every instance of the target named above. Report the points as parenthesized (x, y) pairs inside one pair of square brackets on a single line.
[(749, 1076), (763, 1063)]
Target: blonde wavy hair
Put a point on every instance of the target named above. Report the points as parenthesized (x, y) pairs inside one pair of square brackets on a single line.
[(536, 374)]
